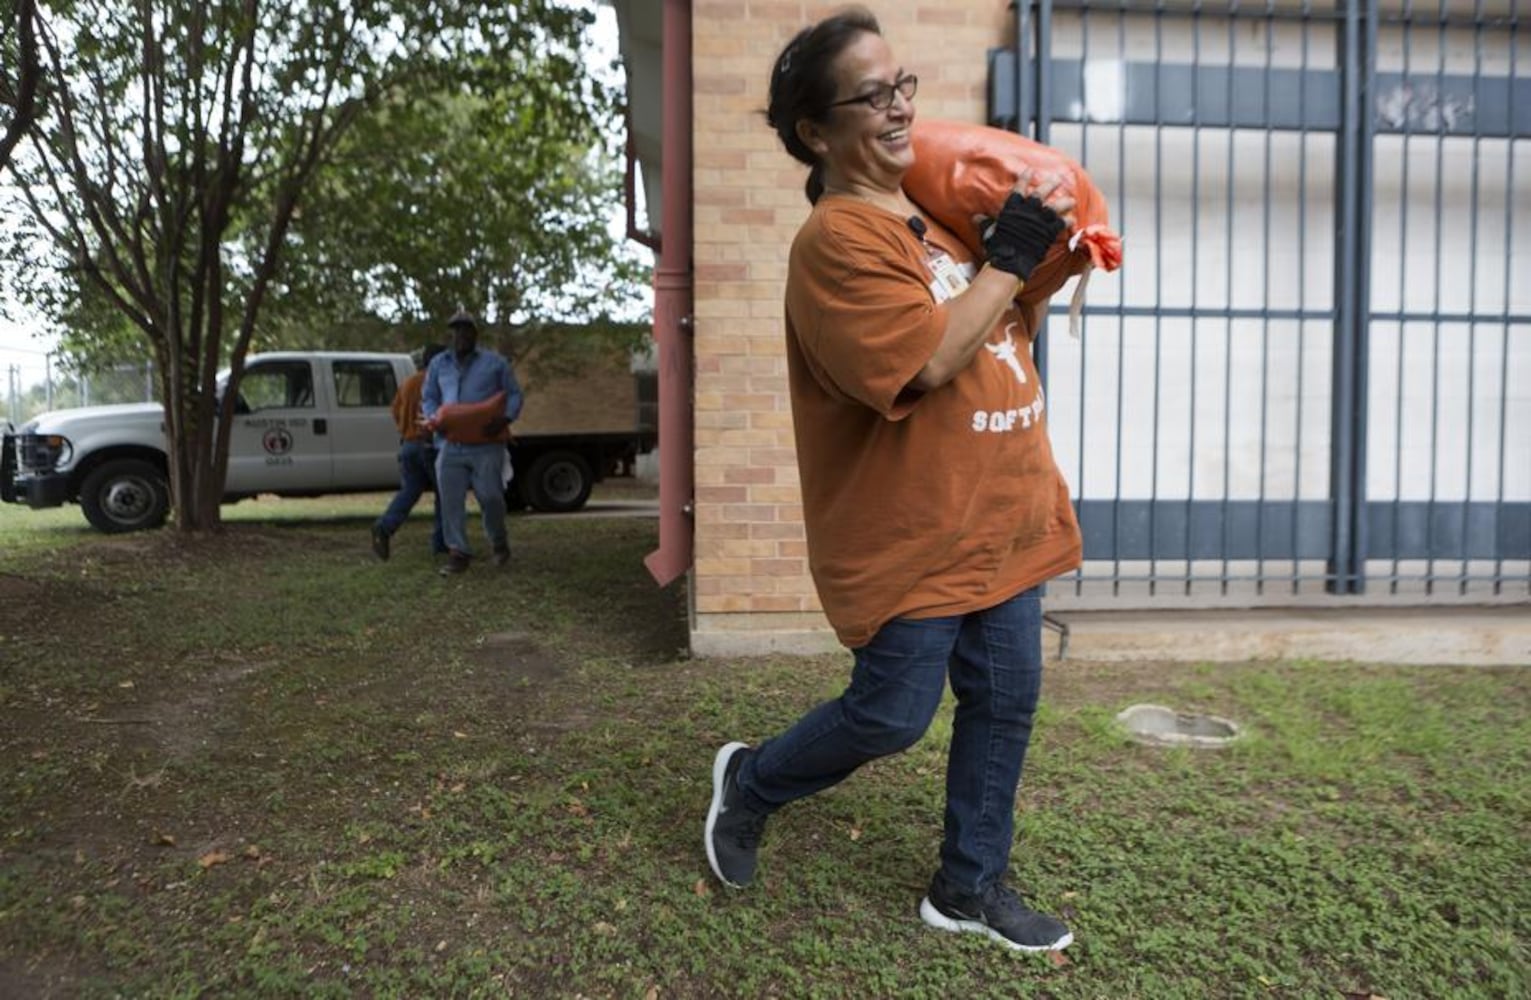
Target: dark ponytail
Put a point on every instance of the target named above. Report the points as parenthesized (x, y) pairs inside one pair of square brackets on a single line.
[(803, 83), (814, 186)]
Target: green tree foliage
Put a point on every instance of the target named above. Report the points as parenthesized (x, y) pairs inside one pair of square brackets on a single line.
[(496, 199), (177, 142)]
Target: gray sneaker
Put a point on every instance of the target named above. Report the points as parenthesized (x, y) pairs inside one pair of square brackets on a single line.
[(997, 912), (733, 830)]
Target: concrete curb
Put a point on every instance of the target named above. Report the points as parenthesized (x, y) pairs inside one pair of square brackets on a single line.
[(1455, 636), (1499, 636)]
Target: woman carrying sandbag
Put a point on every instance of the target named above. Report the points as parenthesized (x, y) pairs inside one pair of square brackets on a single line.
[(932, 503)]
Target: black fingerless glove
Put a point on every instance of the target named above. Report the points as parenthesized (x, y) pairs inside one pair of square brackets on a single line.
[(1018, 239)]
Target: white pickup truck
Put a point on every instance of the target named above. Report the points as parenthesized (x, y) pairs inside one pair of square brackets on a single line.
[(306, 424)]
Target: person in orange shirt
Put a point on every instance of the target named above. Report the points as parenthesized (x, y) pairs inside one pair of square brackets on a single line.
[(417, 463), (931, 500)]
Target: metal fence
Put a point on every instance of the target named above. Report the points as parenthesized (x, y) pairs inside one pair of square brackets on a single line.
[(1312, 377), (32, 388)]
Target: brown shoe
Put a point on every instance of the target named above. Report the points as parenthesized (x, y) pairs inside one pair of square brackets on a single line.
[(457, 562)]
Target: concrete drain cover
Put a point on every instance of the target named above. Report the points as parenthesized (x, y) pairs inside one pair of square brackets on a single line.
[(1160, 726)]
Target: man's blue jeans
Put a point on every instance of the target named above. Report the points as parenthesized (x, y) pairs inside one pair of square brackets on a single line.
[(459, 466), (994, 660), (417, 474)]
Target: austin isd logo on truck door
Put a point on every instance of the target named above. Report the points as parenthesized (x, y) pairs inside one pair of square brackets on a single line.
[(277, 443)]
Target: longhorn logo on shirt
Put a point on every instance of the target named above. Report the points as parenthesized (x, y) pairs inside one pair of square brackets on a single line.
[(1005, 354)]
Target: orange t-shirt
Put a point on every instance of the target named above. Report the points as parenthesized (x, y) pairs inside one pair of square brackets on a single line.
[(406, 408), (916, 505)]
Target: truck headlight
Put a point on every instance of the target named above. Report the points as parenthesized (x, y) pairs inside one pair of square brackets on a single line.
[(43, 452), (60, 448)]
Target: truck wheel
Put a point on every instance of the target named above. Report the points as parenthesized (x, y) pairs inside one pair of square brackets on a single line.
[(126, 494), (559, 481)]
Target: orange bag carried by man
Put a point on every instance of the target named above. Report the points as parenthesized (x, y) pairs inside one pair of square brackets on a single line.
[(961, 171), (473, 423)]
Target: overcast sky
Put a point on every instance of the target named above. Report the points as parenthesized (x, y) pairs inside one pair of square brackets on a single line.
[(25, 345)]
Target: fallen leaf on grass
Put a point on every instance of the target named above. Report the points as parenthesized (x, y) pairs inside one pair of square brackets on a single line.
[(164, 840), (459, 734), (125, 684), (252, 852), (441, 946), (652, 994), (604, 929), (212, 858), (1059, 959), (147, 781), (855, 833), (701, 888)]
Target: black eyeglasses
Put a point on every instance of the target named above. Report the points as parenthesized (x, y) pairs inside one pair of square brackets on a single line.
[(881, 99)]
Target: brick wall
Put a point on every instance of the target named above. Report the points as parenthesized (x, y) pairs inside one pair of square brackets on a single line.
[(751, 587)]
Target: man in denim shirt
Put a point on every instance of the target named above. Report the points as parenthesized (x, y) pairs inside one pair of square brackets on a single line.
[(466, 374)]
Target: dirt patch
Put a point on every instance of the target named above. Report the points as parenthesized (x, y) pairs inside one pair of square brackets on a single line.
[(18, 588), (516, 658), (162, 550), (185, 724), (19, 982), (27, 602)]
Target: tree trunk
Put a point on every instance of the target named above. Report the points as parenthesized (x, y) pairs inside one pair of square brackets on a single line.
[(196, 479)]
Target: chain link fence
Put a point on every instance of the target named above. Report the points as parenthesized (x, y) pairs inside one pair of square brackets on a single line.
[(37, 385)]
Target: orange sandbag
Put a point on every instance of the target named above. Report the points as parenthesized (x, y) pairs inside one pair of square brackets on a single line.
[(466, 423), (963, 170)]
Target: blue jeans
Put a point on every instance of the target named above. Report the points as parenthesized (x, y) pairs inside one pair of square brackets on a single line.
[(994, 660), (417, 474), (459, 466)]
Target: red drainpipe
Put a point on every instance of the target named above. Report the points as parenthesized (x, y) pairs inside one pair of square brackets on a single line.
[(673, 320)]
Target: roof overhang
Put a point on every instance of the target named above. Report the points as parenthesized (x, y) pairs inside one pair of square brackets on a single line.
[(640, 28)]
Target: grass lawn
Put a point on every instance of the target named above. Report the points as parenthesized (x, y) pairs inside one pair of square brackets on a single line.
[(263, 764)]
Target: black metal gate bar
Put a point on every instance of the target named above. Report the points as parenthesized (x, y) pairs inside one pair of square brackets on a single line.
[(1303, 110), (1472, 291), (1504, 350), (1351, 342)]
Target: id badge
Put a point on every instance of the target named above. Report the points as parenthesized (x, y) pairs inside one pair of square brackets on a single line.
[(947, 279)]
